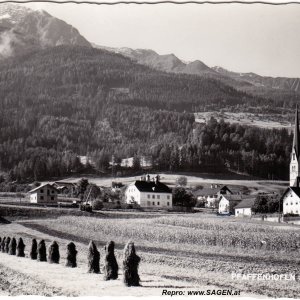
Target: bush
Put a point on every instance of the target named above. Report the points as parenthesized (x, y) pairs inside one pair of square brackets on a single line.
[(97, 205)]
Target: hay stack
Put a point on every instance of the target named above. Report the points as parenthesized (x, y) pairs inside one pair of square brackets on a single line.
[(71, 255), (20, 248), (42, 255), (93, 258), (110, 263), (53, 254), (12, 247), (33, 250), (130, 266)]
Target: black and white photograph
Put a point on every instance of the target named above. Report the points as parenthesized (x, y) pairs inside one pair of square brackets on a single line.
[(150, 149)]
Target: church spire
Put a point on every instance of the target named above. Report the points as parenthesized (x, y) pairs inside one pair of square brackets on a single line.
[(296, 145)]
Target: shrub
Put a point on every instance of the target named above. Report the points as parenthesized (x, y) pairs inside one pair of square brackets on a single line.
[(97, 205)]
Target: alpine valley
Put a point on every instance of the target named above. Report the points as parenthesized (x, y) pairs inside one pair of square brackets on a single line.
[(63, 97)]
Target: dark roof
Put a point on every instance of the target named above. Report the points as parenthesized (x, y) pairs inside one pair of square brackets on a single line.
[(296, 190), (246, 203), (211, 191), (152, 187), (237, 197)]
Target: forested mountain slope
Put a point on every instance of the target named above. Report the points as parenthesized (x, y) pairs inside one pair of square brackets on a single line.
[(67, 101)]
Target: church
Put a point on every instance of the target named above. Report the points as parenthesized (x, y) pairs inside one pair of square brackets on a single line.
[(291, 196)]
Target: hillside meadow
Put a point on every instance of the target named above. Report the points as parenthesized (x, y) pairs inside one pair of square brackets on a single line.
[(205, 248)]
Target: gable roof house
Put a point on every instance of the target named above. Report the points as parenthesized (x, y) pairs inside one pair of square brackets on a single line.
[(291, 201), (44, 194), (229, 202), (149, 193), (212, 195), (244, 208)]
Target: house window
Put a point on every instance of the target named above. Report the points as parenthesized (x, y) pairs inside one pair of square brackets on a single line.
[(157, 203), (293, 156), (286, 204), (42, 191), (158, 196), (42, 197), (153, 203), (148, 203), (168, 197), (168, 203), (153, 196), (291, 203), (52, 192), (52, 198), (148, 196)]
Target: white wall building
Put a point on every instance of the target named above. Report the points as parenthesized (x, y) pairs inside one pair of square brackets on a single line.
[(228, 202), (291, 201), (147, 193), (244, 208), (45, 194)]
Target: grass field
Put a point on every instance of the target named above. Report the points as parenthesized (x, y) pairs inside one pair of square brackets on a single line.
[(178, 251)]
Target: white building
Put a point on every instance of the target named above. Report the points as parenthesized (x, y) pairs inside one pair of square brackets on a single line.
[(244, 208), (291, 201), (149, 193), (291, 197), (228, 202), (212, 195), (44, 194)]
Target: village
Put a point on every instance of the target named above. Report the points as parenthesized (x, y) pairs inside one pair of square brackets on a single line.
[(149, 193)]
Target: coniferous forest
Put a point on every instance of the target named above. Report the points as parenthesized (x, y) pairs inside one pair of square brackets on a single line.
[(66, 101)]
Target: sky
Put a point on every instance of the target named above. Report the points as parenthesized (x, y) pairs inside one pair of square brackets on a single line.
[(258, 38)]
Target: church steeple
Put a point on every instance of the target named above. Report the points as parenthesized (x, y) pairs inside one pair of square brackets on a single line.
[(295, 161), (296, 134)]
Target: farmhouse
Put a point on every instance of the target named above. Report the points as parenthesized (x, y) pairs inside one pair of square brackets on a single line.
[(228, 202), (291, 197), (64, 187), (244, 208), (44, 194), (212, 195), (149, 193)]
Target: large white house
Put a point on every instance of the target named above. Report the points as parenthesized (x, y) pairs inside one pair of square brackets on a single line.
[(291, 197), (149, 193), (44, 194)]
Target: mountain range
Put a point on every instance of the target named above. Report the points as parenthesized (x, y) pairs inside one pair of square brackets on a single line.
[(171, 63), (23, 30)]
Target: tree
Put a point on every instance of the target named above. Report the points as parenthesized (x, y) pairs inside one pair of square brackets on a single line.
[(260, 205), (181, 181), (182, 198), (136, 163), (82, 186)]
